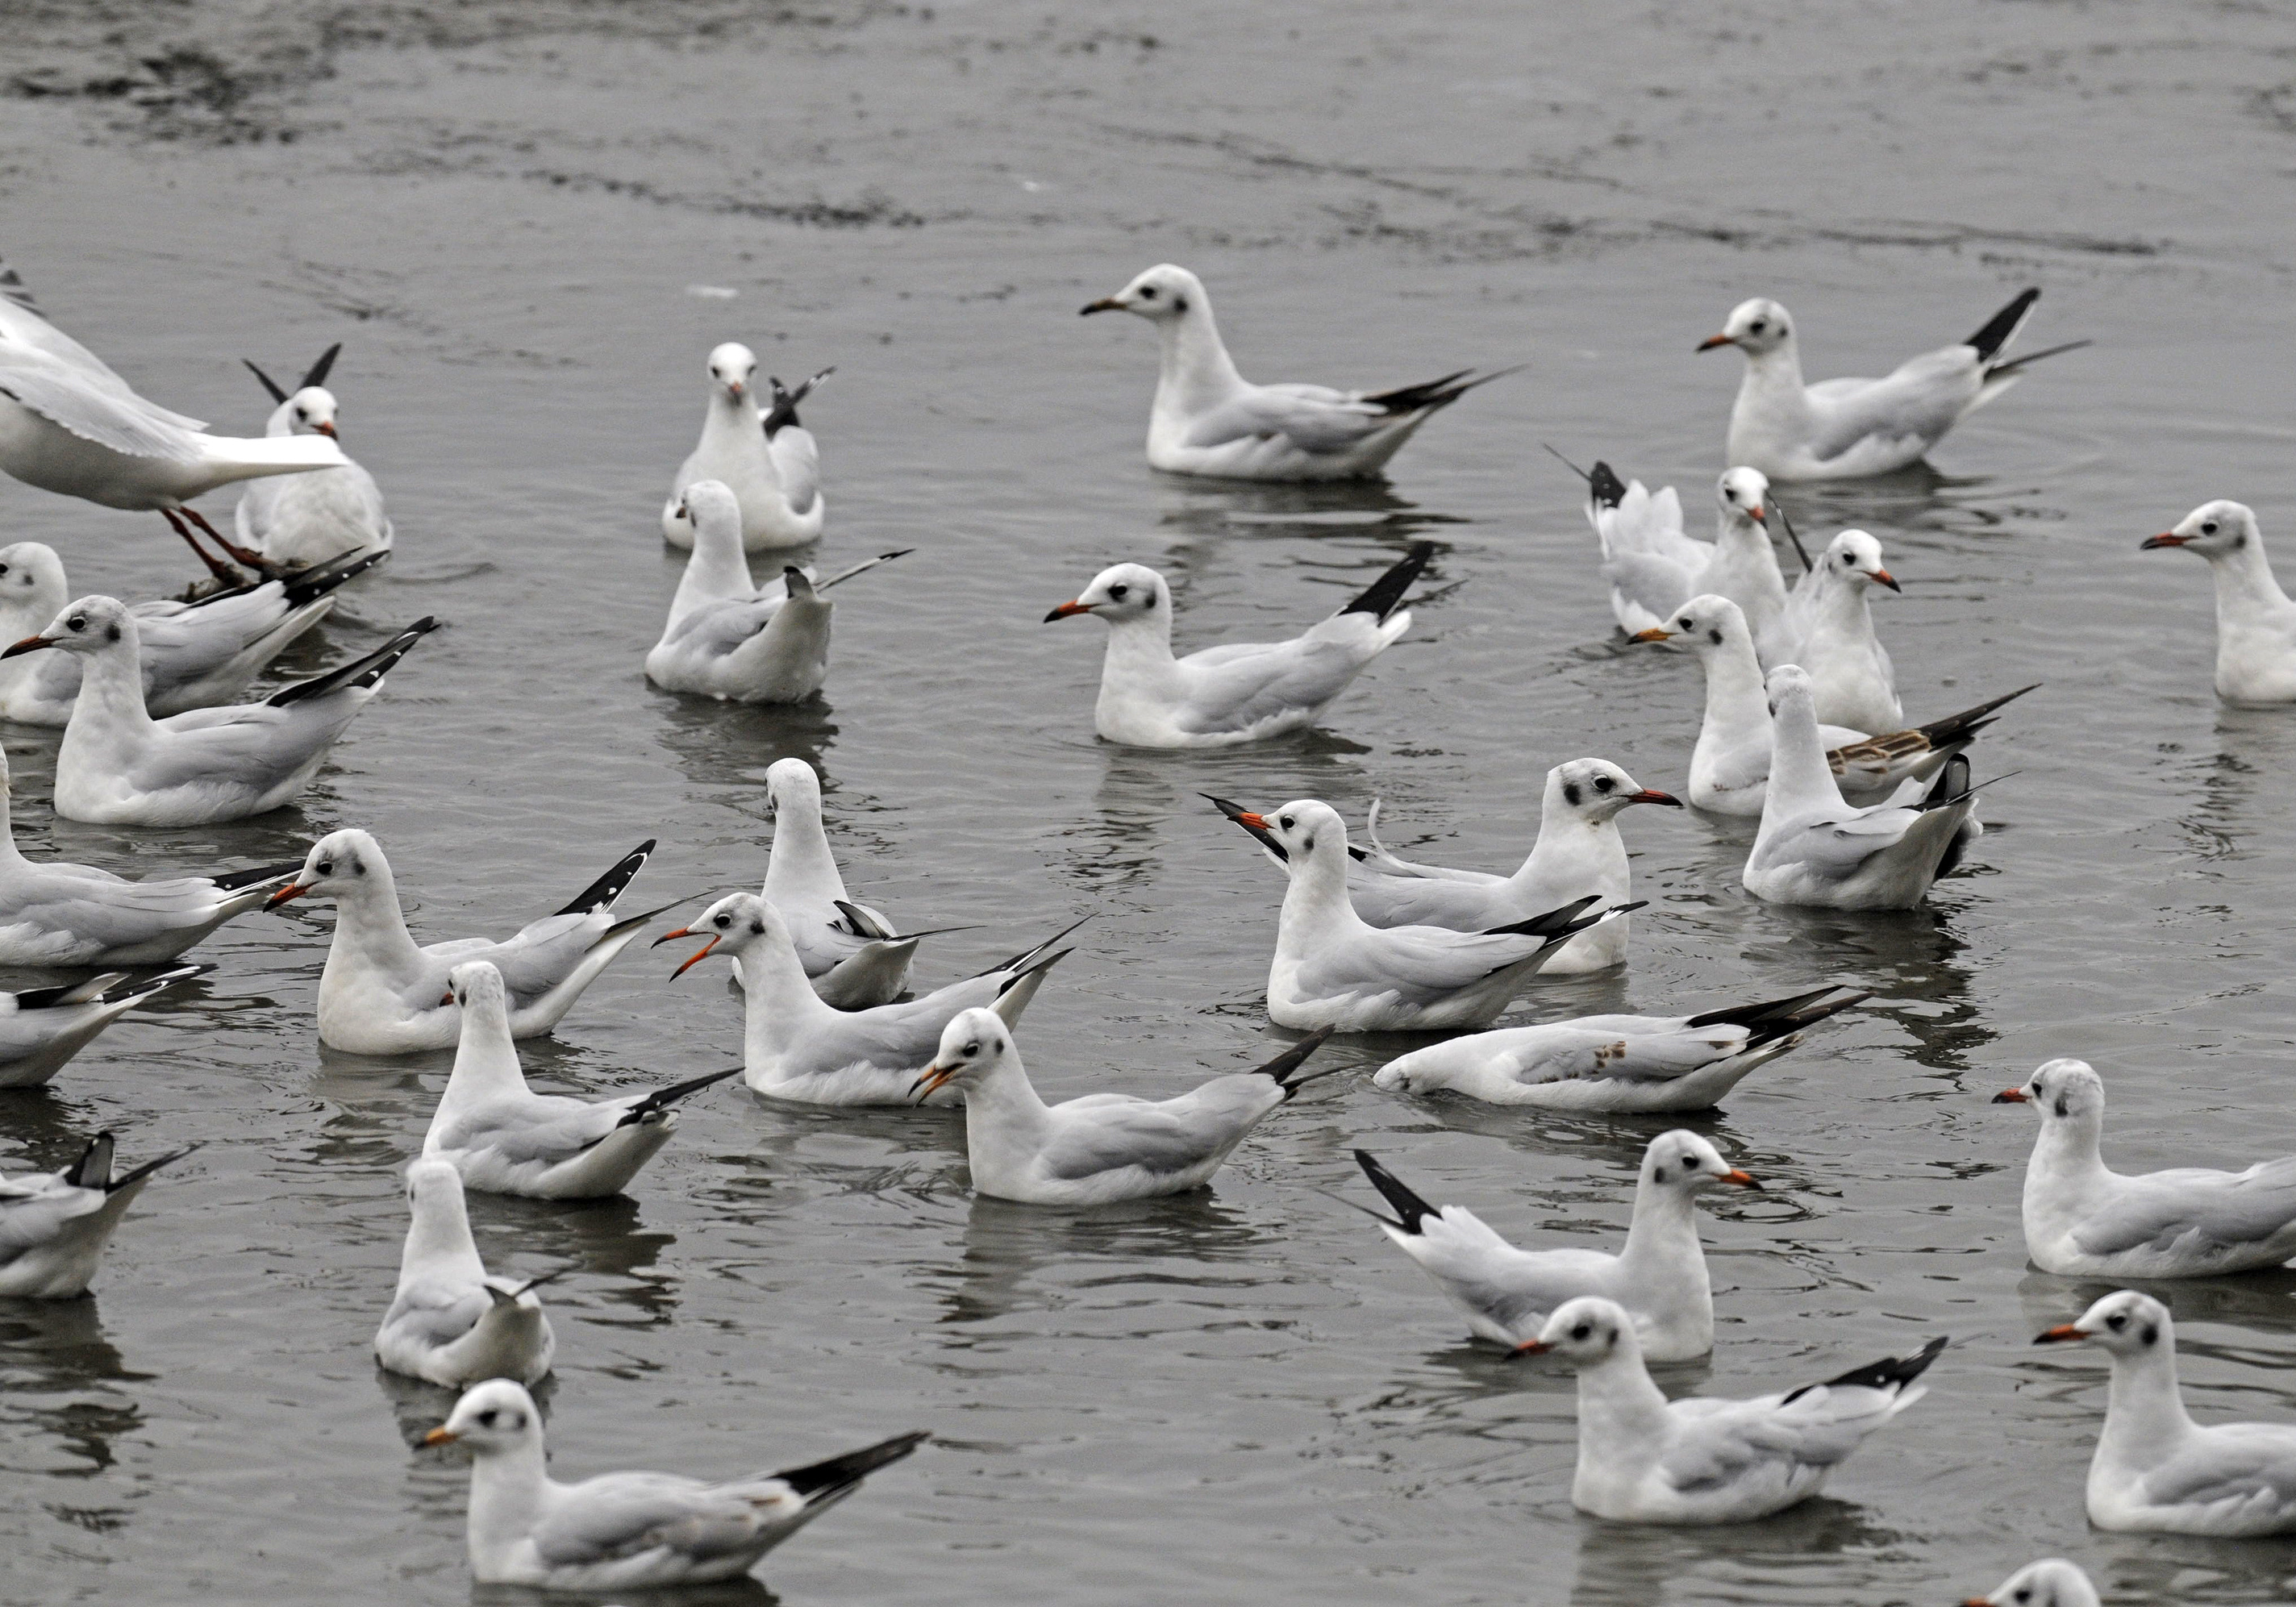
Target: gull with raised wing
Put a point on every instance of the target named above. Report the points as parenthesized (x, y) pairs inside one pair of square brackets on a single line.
[(54, 1226), (2156, 1471), (195, 655), (1209, 420), (797, 1047), (851, 952), (2052, 1582), (506, 1139), (1578, 851), (1098, 1148), (1238, 692), (2083, 1220), (1642, 1063), (1658, 1276), (2256, 623), (1814, 850), (120, 766), (797, 456), (1855, 684), (43, 1028), (1333, 968), (1843, 428), (1646, 1459), (381, 993), (451, 1321), (312, 519), (1653, 568), (734, 451)]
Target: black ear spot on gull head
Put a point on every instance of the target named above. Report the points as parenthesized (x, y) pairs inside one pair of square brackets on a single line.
[(1179, 304), (2064, 1105), (1308, 843), (2152, 1335), (1570, 794), (1658, 1173), (111, 633), (1714, 636)]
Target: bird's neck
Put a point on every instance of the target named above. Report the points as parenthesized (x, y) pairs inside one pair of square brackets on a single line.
[(1002, 1112), (1737, 707), (440, 1243), (2247, 594), (1801, 779), (2144, 1416), (27, 613), (801, 861), (486, 1060), (113, 680), (780, 1005), (1843, 607), (370, 930), (1195, 373), (508, 1490), (1575, 849), (1662, 1234), (1138, 657), (2065, 1154), (719, 572), (1619, 1405), (1316, 902), (1777, 372), (10, 854), (735, 425)]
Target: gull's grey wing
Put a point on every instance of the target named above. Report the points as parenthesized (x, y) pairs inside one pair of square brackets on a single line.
[(1240, 687), (1838, 845), (623, 1514), (1918, 401), (2191, 1207), (62, 395), (547, 1127), (436, 1313), (715, 630), (34, 1209), (254, 745), (2237, 1462), (1654, 582), (1313, 423), (1420, 964), (1160, 1136)]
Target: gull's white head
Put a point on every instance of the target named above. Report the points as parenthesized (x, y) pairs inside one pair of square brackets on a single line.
[(1595, 789), (2062, 1091), (477, 985), (1704, 624), (2052, 1582), (1687, 1163), (1119, 595), (1586, 1332), (1757, 328), (974, 1044), (2125, 1323), (733, 368), (311, 410), (1743, 492), (94, 624), (340, 865), (2215, 529), (736, 922), (791, 783), (32, 578), (434, 1187), (708, 508), (1854, 559), (1308, 832), (1789, 687), (1160, 294), (496, 1416)]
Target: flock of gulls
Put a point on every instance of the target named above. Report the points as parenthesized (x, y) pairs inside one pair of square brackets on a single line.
[(1801, 728)]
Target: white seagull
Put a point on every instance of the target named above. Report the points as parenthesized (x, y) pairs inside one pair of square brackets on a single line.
[(450, 1322), (851, 952), (797, 1047), (1855, 682), (196, 655), (2256, 623), (2083, 1220), (1642, 1063), (120, 766), (1209, 420), (2051, 1582), (43, 1028), (733, 449), (1097, 1148), (797, 456), (1646, 1459), (2156, 1471), (1658, 1276), (1332, 969), (1814, 850), (1238, 692), (54, 1226), (506, 1139), (1578, 851), (312, 519), (1842, 428), (380, 994), (1653, 568), (626, 1531)]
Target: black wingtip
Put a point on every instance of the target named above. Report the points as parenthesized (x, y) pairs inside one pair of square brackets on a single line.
[(1382, 596), (1955, 726), (319, 371), (360, 672), (1603, 487), (1999, 328), (661, 1099), (602, 893), (1556, 923), (819, 1480), (1285, 1064), (93, 1170), (321, 578), (1898, 1370), (1410, 1210), (130, 1179), (230, 882), (269, 384)]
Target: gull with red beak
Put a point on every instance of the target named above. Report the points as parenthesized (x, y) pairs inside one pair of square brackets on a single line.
[(1853, 682), (2052, 1582), (2156, 1470), (293, 523), (1578, 851), (733, 450), (2256, 623), (1240, 692), (1658, 1278), (1653, 568), (54, 1226)]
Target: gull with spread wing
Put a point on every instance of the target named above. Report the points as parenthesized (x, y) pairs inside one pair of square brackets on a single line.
[(54, 1226), (2256, 623), (450, 1322), (310, 519)]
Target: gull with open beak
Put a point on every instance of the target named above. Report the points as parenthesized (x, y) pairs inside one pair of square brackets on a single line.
[(451, 1321), (1658, 1276), (734, 451), (1832, 628), (54, 1226), (1653, 568), (295, 522), (2256, 623)]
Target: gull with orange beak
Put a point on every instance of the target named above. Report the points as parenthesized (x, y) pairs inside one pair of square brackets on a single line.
[(2256, 623), (310, 519), (1653, 568), (2052, 1582), (734, 450), (1658, 1276), (1853, 681)]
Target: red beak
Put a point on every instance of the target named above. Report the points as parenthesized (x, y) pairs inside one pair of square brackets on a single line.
[(1066, 610), (294, 889), (1883, 578), (1652, 795), (1533, 1348), (2150, 542), (29, 645), (2062, 1335), (1258, 823), (1711, 342), (327, 429), (2012, 1096), (699, 955)]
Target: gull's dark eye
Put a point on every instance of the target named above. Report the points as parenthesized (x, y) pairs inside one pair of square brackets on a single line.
[(303, 414), (78, 622), (1147, 293), (1582, 1331), (4, 569), (1286, 822), (1690, 1163), (2025, 1595), (1755, 327), (326, 867), (723, 921), (1602, 783), (2116, 1322), (1687, 623), (1116, 593), (2209, 529), (973, 1048), (486, 1418)]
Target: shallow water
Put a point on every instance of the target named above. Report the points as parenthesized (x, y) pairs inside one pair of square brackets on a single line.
[(505, 212)]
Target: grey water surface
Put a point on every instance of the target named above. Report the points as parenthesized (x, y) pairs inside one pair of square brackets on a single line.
[(529, 223)]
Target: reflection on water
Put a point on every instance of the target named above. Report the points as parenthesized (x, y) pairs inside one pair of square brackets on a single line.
[(1816, 1545), (747, 1591), (54, 1362), (723, 749)]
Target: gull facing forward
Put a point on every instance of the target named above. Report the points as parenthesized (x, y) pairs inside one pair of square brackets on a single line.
[(1653, 568), (851, 952), (2051, 1582), (734, 450), (293, 524)]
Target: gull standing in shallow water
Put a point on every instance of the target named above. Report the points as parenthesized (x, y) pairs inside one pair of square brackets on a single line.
[(626, 1531), (2156, 1471), (1646, 1459), (2083, 1220), (1209, 420), (851, 953), (294, 524), (1653, 568), (2256, 623), (734, 450), (1101, 1147), (1238, 692), (450, 1322), (2052, 1582), (41, 1028), (54, 1226), (1658, 1276)]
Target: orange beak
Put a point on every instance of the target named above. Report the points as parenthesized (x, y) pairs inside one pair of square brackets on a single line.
[(1711, 342), (441, 1435), (699, 955), (1533, 1348), (294, 889), (1106, 304), (1652, 795), (1742, 1179), (1978, 1600), (2064, 1334), (1258, 823), (327, 429), (2012, 1096), (1651, 634), (29, 645), (734, 390), (1883, 578), (931, 1080), (1066, 610), (2150, 542)]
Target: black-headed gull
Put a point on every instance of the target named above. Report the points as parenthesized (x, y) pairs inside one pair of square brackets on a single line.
[(733, 450), (120, 766), (1238, 692), (1578, 851), (195, 655), (1658, 1275), (311, 519), (1646, 1459), (1097, 1148), (506, 1139), (1813, 849), (2156, 1470), (1209, 420), (1644, 1063), (1832, 630), (1842, 428), (2256, 623), (626, 1531), (797, 1047), (380, 994), (1653, 568), (450, 1322), (54, 1226), (2083, 1219), (43, 1028), (1333, 968), (852, 954), (2051, 1582)]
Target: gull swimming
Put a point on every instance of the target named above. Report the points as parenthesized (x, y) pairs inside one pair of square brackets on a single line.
[(1843, 428), (733, 450), (1653, 568), (626, 1531), (1642, 1063), (317, 518), (2256, 623), (380, 994), (43, 1028), (2156, 1470), (797, 456), (1240, 692), (1097, 1148), (2082, 1220), (506, 1139), (450, 1323), (1646, 1459), (1209, 420), (1658, 1278), (54, 1226), (1855, 683), (2052, 1582), (851, 953)]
